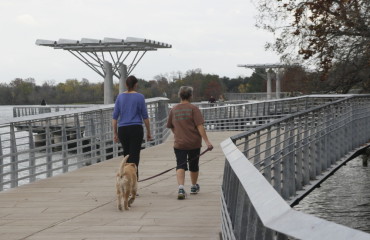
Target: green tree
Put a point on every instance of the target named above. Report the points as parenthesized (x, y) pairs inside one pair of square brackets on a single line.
[(232, 85), (22, 91), (257, 81), (5, 94)]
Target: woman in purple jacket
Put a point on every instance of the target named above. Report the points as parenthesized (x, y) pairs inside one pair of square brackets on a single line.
[(128, 116)]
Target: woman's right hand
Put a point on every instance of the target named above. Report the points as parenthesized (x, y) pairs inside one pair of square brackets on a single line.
[(209, 146), (149, 137), (115, 138)]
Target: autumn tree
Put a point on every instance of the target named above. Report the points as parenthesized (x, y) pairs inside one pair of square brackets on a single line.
[(296, 79), (321, 33)]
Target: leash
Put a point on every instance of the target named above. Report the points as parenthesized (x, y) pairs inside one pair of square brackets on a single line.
[(166, 171)]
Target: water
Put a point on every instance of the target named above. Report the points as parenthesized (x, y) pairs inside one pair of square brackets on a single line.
[(343, 198), (23, 157), (6, 113)]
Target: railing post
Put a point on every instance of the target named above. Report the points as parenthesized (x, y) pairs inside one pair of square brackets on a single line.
[(226, 180), (162, 115), (14, 158), (31, 145), (298, 148), (257, 152), (78, 139), (288, 162), (277, 161), (49, 150), (348, 141), (102, 137), (241, 214), (320, 142), (291, 159), (64, 145), (93, 140), (313, 146), (306, 151), (267, 161)]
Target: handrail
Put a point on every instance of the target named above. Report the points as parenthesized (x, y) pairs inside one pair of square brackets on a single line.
[(44, 145), (266, 205), (246, 116), (292, 154), (21, 111)]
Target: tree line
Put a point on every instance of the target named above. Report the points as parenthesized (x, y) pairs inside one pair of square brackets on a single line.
[(72, 91)]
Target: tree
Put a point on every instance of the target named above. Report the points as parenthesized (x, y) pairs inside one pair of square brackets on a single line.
[(162, 82), (23, 91), (194, 78), (321, 33), (296, 79), (5, 94), (257, 82), (213, 88), (232, 85)]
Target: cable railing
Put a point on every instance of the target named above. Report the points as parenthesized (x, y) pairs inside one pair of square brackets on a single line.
[(42, 146), (246, 116), (272, 167)]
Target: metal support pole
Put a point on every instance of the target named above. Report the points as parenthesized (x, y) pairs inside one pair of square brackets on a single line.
[(122, 80), (279, 74), (108, 83), (269, 75)]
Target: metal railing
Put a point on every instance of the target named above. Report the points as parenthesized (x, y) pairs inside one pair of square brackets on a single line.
[(259, 96), (270, 168), (41, 146), (246, 116), (22, 111)]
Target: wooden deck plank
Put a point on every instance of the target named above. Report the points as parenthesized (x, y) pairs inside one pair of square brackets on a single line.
[(82, 204)]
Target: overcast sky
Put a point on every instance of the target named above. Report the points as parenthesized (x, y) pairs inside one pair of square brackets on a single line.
[(212, 35)]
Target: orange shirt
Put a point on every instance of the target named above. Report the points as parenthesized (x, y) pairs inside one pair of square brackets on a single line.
[(183, 119)]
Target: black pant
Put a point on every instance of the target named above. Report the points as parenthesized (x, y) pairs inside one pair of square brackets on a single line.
[(131, 138), (183, 157)]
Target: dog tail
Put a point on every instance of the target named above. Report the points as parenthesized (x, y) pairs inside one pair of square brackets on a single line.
[(122, 168)]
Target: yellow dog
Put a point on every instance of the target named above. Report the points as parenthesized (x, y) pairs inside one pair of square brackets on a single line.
[(126, 184)]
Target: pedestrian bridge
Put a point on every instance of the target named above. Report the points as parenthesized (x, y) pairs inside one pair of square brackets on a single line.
[(81, 204), (276, 153)]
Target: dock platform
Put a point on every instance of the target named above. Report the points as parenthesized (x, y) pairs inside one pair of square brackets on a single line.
[(82, 204)]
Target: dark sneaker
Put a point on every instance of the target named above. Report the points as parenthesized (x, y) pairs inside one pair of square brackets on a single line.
[(182, 194), (194, 189)]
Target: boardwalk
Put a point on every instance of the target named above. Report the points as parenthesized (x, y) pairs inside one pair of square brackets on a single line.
[(82, 204)]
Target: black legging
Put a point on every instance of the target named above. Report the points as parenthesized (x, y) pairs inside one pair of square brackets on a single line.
[(131, 138)]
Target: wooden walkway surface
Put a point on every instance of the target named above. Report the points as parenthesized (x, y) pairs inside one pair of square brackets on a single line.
[(82, 204)]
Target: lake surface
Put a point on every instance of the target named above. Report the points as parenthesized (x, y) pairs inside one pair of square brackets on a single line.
[(343, 198)]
